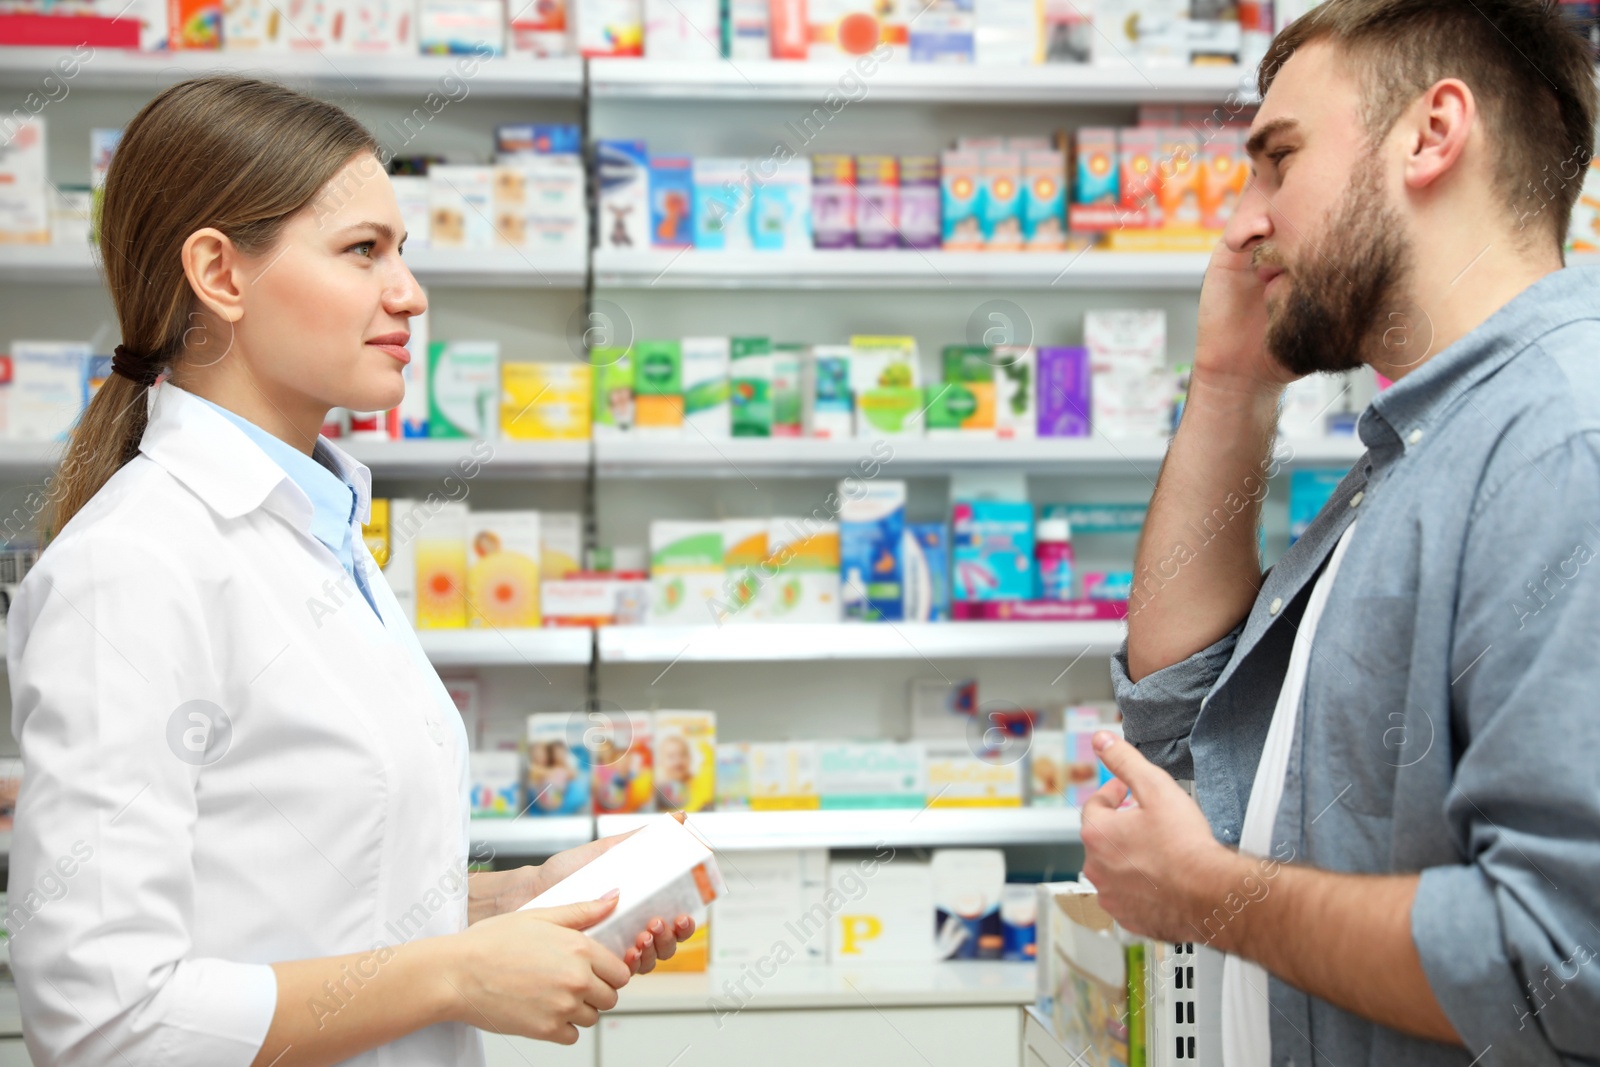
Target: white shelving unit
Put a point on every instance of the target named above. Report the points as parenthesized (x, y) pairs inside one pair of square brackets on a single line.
[(496, 647), (741, 831), (902, 81), (957, 983), (794, 457), (818, 642), (504, 460), (897, 269), (444, 268), (529, 835), (149, 72)]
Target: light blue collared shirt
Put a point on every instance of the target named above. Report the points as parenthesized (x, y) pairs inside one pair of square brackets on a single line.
[(333, 501)]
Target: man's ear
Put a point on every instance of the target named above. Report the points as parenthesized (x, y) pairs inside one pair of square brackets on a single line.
[(215, 269), (1437, 128)]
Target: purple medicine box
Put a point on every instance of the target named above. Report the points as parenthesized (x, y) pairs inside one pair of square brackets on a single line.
[(921, 220), (1063, 392)]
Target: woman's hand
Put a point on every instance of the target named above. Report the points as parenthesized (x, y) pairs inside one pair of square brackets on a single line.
[(533, 973), (491, 893)]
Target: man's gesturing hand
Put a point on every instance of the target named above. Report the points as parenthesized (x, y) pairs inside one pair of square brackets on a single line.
[(1155, 865)]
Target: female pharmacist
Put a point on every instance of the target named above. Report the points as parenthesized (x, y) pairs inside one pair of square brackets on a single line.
[(242, 836)]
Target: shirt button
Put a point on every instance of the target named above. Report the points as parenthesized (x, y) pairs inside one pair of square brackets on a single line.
[(436, 731), (1355, 501), (1276, 605), (1416, 435)]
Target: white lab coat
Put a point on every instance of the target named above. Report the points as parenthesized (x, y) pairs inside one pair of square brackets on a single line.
[(154, 875)]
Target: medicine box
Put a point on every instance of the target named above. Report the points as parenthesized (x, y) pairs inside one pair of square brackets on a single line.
[(613, 378), (775, 909), (927, 572), (503, 569), (461, 27), (1047, 782), (780, 210), (733, 777), (610, 27), (723, 191), (461, 206), (558, 774), (1081, 770), (1044, 201), (439, 545), (959, 779), (962, 201), (885, 378), (545, 401), (877, 201), (672, 202), (540, 30), (833, 201), (783, 776), (623, 204), (941, 709), (991, 550), (921, 212), (871, 530), (24, 189), (662, 871), (1014, 376), (464, 389), (658, 388), (496, 786), (685, 760), (48, 388), (828, 402), (706, 407), (787, 361), (688, 30), (750, 387), (560, 544), (686, 571), (871, 774), (884, 911), (1001, 216), (967, 887), (622, 758), (744, 554), (1064, 401), (803, 563)]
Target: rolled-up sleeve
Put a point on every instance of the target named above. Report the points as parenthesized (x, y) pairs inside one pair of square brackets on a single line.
[(106, 642), (1509, 939), (1158, 711)]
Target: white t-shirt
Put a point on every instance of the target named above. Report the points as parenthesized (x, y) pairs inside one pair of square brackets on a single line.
[(1246, 1023)]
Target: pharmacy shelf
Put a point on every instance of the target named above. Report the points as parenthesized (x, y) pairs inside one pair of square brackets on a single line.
[(528, 835), (754, 458), (555, 460), (331, 72), (49, 265), (443, 268), (904, 82), (803, 642), (740, 831), (496, 647), (956, 983), (897, 269)]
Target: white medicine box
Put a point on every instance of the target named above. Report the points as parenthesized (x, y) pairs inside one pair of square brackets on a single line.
[(882, 911)]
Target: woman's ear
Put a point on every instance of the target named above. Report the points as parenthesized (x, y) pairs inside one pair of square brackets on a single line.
[(215, 269)]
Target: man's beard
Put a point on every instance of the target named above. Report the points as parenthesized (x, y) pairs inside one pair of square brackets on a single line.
[(1336, 313)]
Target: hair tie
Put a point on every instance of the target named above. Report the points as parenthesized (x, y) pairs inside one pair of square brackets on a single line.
[(134, 367)]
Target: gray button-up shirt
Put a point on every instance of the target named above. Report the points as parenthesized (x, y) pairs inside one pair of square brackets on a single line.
[(1451, 723)]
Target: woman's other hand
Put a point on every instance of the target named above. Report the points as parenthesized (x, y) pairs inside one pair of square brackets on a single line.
[(534, 973)]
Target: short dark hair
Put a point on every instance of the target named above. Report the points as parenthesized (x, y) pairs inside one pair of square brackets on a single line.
[(1531, 72)]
